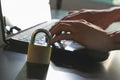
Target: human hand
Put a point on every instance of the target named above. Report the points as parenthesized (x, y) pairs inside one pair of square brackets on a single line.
[(83, 32), (102, 18)]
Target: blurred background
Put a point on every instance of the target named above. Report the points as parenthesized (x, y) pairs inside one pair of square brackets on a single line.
[(61, 7)]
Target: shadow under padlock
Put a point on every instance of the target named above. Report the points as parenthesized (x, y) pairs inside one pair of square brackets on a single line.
[(38, 57)]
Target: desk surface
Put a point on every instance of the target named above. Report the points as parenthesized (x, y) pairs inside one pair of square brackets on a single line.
[(12, 63)]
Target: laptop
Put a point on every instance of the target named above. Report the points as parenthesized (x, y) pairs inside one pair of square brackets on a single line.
[(19, 18)]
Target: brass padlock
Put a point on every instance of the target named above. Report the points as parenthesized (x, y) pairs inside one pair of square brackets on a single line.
[(37, 53)]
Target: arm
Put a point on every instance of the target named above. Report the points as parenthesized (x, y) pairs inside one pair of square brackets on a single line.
[(102, 18)]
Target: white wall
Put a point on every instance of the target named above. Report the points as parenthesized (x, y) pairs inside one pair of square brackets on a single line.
[(25, 13)]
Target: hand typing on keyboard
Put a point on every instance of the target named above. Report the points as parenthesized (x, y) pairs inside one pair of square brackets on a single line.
[(86, 28)]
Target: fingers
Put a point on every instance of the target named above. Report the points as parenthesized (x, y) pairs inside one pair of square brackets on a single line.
[(73, 14), (76, 11), (62, 37), (61, 31), (67, 26), (62, 27)]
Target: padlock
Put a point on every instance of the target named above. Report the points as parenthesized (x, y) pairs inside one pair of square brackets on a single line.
[(37, 53), (38, 57)]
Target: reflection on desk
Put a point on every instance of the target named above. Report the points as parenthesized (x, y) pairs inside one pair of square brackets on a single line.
[(61, 73), (32, 72), (12, 64)]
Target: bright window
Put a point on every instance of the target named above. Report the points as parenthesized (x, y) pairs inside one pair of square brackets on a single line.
[(113, 2), (116, 2)]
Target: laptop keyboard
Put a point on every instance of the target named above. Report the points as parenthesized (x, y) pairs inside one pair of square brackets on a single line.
[(25, 36), (40, 37), (20, 42)]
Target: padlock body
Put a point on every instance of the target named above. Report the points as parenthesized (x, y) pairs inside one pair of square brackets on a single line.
[(37, 71), (39, 54)]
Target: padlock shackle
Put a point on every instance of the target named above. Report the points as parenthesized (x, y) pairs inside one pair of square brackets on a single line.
[(43, 31)]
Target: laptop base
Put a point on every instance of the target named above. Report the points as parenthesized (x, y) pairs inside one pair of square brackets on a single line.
[(17, 46)]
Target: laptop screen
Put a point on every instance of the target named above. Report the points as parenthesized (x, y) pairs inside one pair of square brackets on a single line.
[(24, 14)]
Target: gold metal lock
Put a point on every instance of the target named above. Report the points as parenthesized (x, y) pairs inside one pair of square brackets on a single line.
[(37, 53)]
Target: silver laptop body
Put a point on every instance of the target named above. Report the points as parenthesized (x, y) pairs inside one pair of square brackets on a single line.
[(19, 18)]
